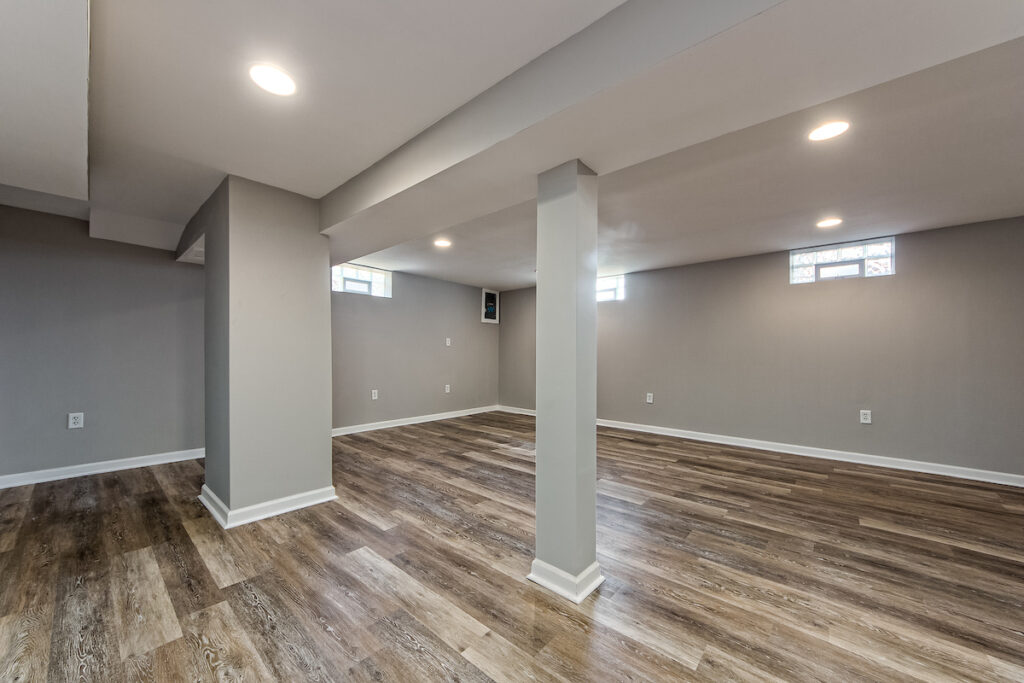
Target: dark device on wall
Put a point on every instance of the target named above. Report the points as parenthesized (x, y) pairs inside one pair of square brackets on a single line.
[(489, 306)]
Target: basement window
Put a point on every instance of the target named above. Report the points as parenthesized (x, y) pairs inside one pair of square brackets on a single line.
[(867, 258), (611, 288), (355, 279)]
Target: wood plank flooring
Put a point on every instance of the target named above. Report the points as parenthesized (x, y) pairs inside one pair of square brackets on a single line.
[(722, 564)]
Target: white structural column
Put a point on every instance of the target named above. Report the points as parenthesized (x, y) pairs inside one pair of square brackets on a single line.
[(566, 552), (268, 352)]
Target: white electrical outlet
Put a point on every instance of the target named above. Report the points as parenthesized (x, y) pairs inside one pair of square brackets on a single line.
[(865, 417), (373, 394), (650, 397), (76, 420), (447, 341), (447, 388)]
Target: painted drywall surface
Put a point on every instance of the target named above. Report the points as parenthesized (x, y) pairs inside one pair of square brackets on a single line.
[(108, 329), (397, 346), (731, 348), (517, 368), (279, 339), (212, 220), (566, 438)]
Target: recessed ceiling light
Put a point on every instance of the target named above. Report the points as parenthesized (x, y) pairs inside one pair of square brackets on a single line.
[(442, 243), (272, 79), (829, 130), (829, 222)]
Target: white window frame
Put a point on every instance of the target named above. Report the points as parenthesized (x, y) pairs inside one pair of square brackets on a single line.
[(797, 263), (611, 288), (352, 278)]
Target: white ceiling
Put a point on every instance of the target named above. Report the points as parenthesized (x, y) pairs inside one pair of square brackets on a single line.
[(44, 117), (793, 55), (446, 112), (173, 108), (939, 147)]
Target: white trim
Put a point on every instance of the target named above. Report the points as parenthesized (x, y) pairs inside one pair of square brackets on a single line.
[(575, 588), (371, 426), (517, 411), (229, 518), (39, 476), (829, 454)]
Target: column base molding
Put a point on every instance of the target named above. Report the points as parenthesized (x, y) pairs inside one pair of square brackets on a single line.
[(229, 518), (575, 588)]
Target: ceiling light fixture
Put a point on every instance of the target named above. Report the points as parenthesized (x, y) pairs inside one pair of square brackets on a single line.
[(829, 222), (442, 243), (829, 130), (272, 79)]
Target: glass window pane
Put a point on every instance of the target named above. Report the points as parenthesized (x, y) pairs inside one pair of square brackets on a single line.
[(838, 271), (879, 249), (611, 288), (801, 274), (828, 256), (357, 286), (878, 266), (851, 253)]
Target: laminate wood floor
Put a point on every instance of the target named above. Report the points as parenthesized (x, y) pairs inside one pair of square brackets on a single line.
[(722, 564)]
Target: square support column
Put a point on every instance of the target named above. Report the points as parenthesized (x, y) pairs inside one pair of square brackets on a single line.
[(268, 353), (566, 545)]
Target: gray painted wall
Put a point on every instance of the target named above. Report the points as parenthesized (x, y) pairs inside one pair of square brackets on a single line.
[(397, 346), (730, 347), (271, 262), (517, 369), (108, 329), (212, 220)]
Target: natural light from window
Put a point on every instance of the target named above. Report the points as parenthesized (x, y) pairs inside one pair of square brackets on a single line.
[(611, 288), (867, 258), (355, 279)]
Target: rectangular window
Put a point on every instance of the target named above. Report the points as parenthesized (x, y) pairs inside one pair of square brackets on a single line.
[(867, 258), (611, 288), (349, 277)]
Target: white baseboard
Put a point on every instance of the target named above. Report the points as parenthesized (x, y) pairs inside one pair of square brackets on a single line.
[(517, 411), (575, 588), (829, 454), (39, 476), (371, 426), (812, 452), (229, 518)]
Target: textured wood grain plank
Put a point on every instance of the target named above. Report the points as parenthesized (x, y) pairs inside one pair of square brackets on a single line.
[(13, 506), (289, 650), (452, 625), (995, 549), (421, 653), (145, 615), (225, 555), (83, 644), (220, 648), (504, 662), (348, 499), (188, 581), (25, 644)]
